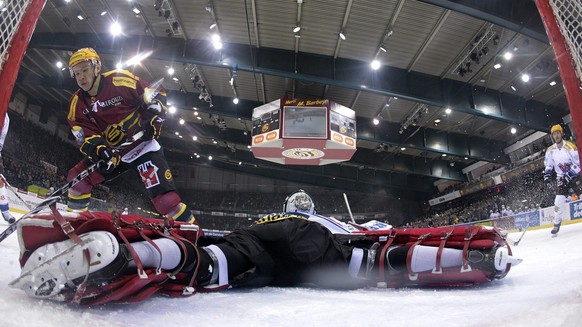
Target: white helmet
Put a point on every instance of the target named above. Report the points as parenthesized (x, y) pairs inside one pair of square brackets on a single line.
[(299, 202)]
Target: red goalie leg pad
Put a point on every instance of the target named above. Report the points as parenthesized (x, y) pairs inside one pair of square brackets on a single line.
[(479, 242), (128, 286)]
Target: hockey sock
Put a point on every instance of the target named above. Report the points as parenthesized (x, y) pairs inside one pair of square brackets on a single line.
[(150, 257), (3, 199), (423, 258)]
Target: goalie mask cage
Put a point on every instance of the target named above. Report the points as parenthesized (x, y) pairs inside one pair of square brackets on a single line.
[(563, 23), (17, 21)]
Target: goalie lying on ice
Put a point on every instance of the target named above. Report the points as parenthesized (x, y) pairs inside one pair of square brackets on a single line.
[(112, 258)]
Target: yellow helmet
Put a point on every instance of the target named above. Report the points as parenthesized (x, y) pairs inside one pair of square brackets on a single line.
[(84, 54), (556, 128)]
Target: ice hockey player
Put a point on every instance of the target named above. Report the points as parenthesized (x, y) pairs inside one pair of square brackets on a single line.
[(4, 206), (561, 158), (108, 110), (112, 258)]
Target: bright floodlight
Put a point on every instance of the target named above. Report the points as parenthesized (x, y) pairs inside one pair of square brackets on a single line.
[(170, 71), (376, 121), (448, 111), (508, 55), (172, 109), (513, 130), (235, 100), (181, 121), (59, 64), (115, 29), (525, 77), (375, 64)]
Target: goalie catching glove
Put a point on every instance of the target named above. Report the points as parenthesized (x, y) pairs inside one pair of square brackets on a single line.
[(95, 148)]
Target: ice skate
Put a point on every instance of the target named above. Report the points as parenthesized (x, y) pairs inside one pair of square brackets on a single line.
[(555, 230), (8, 217), (53, 267), (494, 260)]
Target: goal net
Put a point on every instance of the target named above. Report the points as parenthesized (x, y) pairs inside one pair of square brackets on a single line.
[(17, 21), (563, 22)]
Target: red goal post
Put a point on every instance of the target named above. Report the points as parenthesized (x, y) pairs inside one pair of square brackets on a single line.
[(17, 21), (563, 22)]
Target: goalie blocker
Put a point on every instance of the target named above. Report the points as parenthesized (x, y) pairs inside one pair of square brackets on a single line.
[(123, 259)]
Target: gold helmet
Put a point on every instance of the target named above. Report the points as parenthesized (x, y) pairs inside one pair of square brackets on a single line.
[(81, 55), (556, 128)]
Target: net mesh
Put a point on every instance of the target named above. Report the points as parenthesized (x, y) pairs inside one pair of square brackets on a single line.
[(11, 13), (568, 14)]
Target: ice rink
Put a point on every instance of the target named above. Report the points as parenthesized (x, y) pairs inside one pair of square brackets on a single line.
[(544, 290)]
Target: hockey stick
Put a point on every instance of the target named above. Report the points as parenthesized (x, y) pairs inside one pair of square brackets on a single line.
[(349, 210), (11, 188), (56, 195), (521, 236)]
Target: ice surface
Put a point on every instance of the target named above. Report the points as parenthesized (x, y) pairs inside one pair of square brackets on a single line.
[(544, 290)]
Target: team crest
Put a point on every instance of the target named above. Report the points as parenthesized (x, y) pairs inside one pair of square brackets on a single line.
[(149, 174)]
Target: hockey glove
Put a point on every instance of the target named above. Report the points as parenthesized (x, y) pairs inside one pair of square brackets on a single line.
[(95, 148), (156, 107), (548, 180), (153, 128)]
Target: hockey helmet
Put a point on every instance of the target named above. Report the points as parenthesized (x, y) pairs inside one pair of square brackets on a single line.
[(556, 128), (84, 54), (299, 202)]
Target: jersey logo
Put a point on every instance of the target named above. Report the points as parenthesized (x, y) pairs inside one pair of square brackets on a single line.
[(149, 174), (114, 134)]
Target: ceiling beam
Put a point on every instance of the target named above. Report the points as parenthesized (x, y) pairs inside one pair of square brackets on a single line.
[(351, 74)]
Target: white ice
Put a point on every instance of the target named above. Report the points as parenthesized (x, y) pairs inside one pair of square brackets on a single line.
[(544, 290)]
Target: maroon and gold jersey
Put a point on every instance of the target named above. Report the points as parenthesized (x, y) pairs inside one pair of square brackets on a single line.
[(116, 112)]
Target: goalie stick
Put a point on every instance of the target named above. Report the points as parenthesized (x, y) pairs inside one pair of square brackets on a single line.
[(56, 195), (349, 209)]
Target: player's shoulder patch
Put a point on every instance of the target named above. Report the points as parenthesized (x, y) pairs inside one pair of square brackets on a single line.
[(548, 149), (570, 146), (121, 72)]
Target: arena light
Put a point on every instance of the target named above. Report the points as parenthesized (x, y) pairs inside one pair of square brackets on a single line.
[(115, 29), (181, 121), (513, 130), (552, 83), (172, 109), (375, 121), (448, 111), (375, 64), (342, 35), (296, 28), (507, 55), (525, 77), (194, 138), (235, 100), (59, 64), (103, 13), (170, 71), (497, 66)]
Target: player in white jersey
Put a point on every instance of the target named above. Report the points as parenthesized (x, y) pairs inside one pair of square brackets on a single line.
[(3, 196), (561, 158)]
